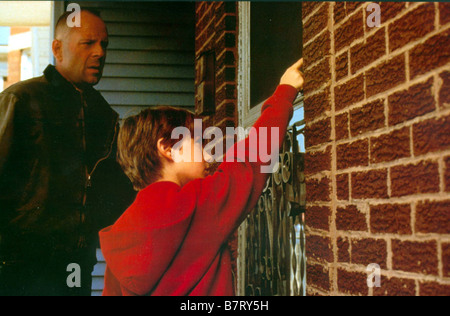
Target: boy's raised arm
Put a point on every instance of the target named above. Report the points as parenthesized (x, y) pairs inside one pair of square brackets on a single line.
[(235, 188)]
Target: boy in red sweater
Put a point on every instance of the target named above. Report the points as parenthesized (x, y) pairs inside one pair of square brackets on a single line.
[(173, 238)]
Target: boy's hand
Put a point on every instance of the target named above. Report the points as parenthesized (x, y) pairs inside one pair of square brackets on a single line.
[(293, 76)]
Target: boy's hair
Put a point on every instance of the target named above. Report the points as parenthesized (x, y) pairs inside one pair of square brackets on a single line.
[(137, 142)]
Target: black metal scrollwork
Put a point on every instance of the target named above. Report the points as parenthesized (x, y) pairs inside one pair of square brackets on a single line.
[(274, 253)]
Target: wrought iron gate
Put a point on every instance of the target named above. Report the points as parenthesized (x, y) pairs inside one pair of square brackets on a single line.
[(274, 237)]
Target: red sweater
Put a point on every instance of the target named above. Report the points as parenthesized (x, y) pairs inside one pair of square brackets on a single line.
[(173, 240)]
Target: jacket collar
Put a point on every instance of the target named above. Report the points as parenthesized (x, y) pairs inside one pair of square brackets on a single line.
[(63, 88), (64, 92)]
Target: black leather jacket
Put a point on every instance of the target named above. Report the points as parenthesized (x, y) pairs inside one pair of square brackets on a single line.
[(59, 181)]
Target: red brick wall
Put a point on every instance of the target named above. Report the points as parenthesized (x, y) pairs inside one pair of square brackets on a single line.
[(377, 106), (216, 29)]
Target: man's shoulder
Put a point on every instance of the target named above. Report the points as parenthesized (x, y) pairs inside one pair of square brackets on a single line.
[(27, 87)]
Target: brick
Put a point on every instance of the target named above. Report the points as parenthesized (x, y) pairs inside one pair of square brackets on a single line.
[(318, 76), (431, 135), (386, 75), (318, 161), (343, 246), (444, 93), (339, 11), (412, 256), (226, 92), (317, 49), (433, 217), (226, 110), (341, 65), (370, 184), (342, 183), (353, 154), (392, 146), (318, 276), (370, 117), (351, 6), (446, 259), (227, 75), (390, 219), (316, 23), (350, 219), (408, 104), (318, 133), (447, 174), (317, 105), (434, 289), (341, 128), (366, 251), (318, 248), (422, 177), (318, 190), (309, 7), (390, 10), (444, 13), (430, 55), (412, 26), (349, 31), (395, 287), (318, 217), (349, 92), (369, 51), (227, 59), (352, 282)]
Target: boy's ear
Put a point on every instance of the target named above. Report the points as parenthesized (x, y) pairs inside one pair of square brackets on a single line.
[(165, 151)]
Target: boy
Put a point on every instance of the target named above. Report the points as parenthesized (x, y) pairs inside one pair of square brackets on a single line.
[(172, 240)]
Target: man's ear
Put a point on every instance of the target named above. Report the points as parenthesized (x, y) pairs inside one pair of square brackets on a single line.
[(57, 50), (165, 151)]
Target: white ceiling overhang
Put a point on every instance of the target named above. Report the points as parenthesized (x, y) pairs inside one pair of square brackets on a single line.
[(25, 13)]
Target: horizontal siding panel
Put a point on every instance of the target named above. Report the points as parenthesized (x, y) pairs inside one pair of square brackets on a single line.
[(148, 71), (156, 15), (150, 57), (148, 43), (99, 269), (98, 283), (127, 111), (146, 85), (147, 29), (149, 99)]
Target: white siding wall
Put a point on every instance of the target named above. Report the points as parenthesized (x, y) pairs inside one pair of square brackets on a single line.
[(150, 59), (150, 62)]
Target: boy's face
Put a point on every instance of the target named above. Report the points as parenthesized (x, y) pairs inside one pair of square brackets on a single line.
[(192, 164)]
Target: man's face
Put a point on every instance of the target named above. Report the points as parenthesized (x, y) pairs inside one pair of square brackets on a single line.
[(84, 51)]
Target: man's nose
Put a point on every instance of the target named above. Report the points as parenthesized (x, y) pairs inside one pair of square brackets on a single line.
[(99, 50)]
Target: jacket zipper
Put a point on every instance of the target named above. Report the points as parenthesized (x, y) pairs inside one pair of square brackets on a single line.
[(89, 183)]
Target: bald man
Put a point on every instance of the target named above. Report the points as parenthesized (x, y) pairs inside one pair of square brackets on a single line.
[(59, 180)]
